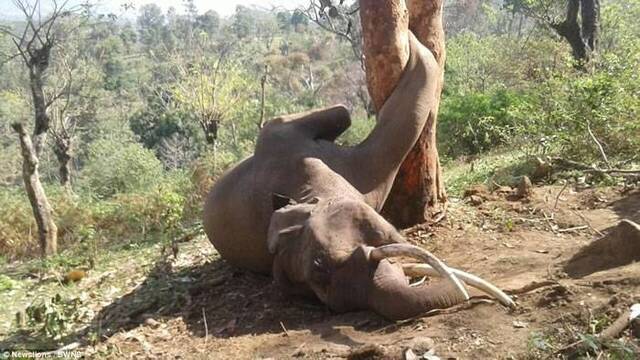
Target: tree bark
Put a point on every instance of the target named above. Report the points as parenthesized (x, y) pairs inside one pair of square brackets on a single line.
[(385, 29), (570, 30), (38, 64), (591, 23), (418, 194), (62, 150), (582, 34), (47, 230)]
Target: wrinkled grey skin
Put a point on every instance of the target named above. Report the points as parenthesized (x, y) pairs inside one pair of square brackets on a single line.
[(317, 245)]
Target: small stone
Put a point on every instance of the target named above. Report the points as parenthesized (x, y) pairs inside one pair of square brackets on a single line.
[(479, 190), (525, 188), (476, 200), (502, 190), (152, 322), (369, 351), (421, 344), (409, 355), (543, 169), (520, 324)]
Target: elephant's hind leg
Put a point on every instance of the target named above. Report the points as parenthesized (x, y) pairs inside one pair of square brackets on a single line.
[(326, 124)]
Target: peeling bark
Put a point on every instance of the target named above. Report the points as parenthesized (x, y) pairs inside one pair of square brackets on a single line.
[(419, 183), (47, 230), (385, 26)]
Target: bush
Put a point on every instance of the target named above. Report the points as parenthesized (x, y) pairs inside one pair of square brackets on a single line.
[(478, 122), (87, 224), (535, 100), (114, 168)]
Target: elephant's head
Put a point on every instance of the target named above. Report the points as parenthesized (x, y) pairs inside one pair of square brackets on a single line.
[(338, 249)]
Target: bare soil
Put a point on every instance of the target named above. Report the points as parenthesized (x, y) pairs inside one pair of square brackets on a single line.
[(566, 241)]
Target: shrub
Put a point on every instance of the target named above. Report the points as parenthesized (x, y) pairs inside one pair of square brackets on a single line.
[(87, 224), (119, 168), (478, 122)]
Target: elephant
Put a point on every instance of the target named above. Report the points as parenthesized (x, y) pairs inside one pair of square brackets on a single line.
[(307, 209)]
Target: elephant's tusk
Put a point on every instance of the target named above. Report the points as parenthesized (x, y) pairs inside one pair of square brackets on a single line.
[(395, 250), (473, 280)]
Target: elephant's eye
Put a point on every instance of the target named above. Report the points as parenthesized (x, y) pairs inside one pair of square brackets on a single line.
[(320, 270)]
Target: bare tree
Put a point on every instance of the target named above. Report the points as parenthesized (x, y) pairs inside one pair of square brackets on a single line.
[(579, 22), (47, 230), (341, 20), (34, 45)]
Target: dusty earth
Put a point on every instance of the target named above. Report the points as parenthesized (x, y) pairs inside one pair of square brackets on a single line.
[(561, 243)]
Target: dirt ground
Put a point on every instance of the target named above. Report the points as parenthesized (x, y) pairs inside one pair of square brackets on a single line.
[(563, 239)]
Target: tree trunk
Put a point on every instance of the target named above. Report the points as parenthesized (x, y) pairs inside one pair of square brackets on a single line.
[(591, 23), (62, 150), (385, 45), (47, 230), (582, 38), (43, 122), (418, 194)]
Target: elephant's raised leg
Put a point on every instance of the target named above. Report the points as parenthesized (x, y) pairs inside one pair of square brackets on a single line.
[(326, 124)]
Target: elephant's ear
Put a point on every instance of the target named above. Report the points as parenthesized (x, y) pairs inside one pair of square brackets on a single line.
[(287, 223)]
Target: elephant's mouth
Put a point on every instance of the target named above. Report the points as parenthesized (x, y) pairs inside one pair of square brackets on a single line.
[(433, 266)]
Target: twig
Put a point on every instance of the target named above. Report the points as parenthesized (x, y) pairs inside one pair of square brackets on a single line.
[(206, 326), (592, 169), (530, 287), (286, 333), (555, 205), (588, 223), (604, 155), (575, 228)]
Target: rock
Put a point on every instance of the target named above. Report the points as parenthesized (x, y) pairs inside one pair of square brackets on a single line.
[(409, 355), (368, 352), (620, 247), (503, 190), (421, 344), (476, 200), (431, 355), (21, 318), (543, 169), (478, 190), (525, 188), (520, 324), (152, 322)]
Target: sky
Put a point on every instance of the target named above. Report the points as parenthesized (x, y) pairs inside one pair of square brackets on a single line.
[(223, 7)]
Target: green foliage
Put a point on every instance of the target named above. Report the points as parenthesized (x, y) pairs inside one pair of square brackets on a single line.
[(6, 283), (114, 167), (478, 122), (53, 317), (503, 91)]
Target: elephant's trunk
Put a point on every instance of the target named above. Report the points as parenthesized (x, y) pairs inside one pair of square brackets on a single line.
[(391, 296)]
